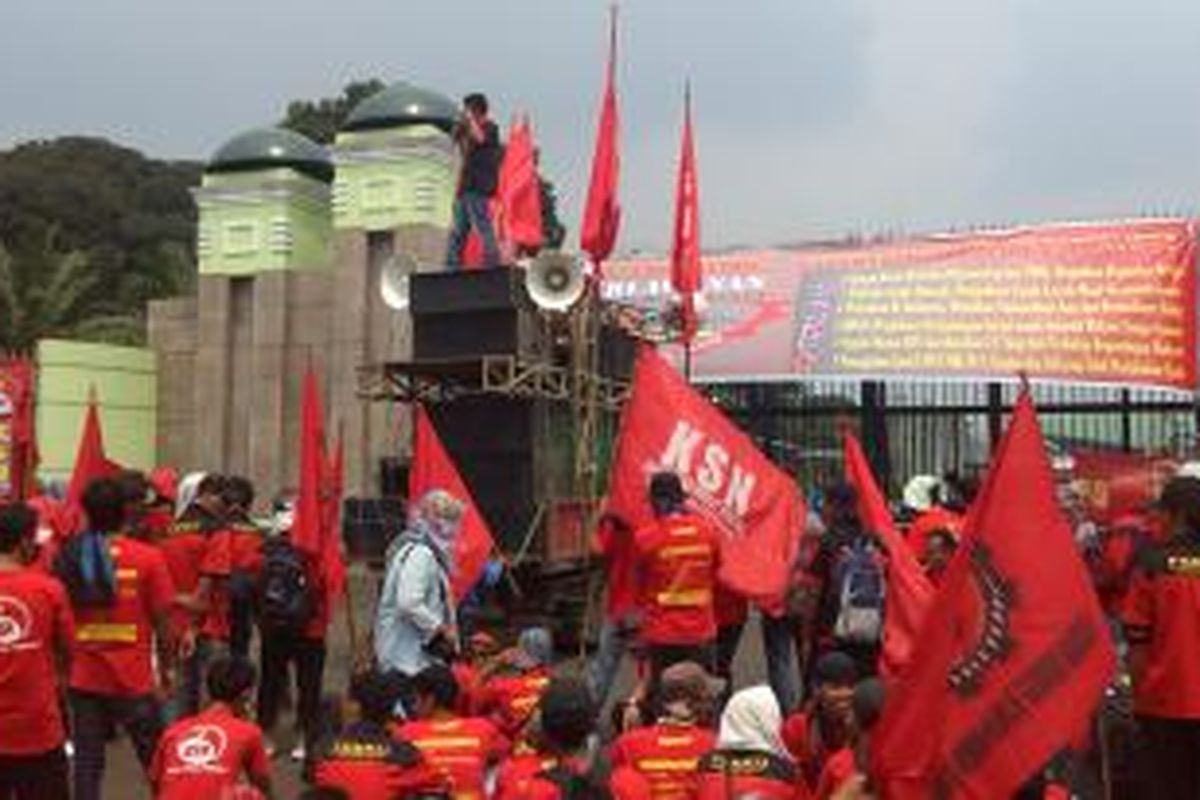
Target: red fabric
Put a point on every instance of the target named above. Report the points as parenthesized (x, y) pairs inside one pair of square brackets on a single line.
[(1163, 616), (217, 565), (467, 677), (183, 551), (685, 241), (929, 521), (461, 748), (111, 654), (311, 531), (602, 214), (724, 775), (626, 783), (615, 545), (517, 773), (509, 701), (90, 463), (678, 559), (838, 769), (519, 191), (34, 616), (666, 755), (365, 775), (433, 469), (16, 429), (203, 757), (668, 425), (1015, 655), (730, 607), (909, 593)]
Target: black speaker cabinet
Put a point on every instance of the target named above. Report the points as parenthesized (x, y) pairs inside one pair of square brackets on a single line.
[(472, 313), (369, 525)]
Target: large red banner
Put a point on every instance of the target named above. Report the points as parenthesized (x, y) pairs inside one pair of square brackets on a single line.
[(16, 427), (667, 425), (1105, 303)]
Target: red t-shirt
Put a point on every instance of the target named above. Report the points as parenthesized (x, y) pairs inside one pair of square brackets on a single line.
[(112, 650), (203, 757), (929, 521), (183, 550), (804, 741), (1162, 615), (34, 616), (763, 776), (515, 775), (461, 748), (366, 764), (678, 558), (730, 607), (617, 548), (838, 769), (666, 755), (216, 564), (509, 701)]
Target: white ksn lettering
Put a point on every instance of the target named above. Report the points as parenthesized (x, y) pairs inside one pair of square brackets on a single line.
[(741, 487), (680, 449), (711, 474)]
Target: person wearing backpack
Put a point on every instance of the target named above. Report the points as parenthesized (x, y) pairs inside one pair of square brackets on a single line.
[(849, 569), (292, 622)]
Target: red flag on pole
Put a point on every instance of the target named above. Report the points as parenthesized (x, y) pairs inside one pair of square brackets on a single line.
[(602, 215), (685, 243), (667, 425), (519, 193), (909, 593), (307, 535), (90, 462), (432, 469), (1015, 654)]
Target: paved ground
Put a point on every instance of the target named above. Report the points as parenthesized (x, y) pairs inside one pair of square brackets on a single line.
[(124, 781)]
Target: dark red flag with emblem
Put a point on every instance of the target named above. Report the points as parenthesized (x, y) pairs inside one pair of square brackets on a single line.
[(1014, 655), (433, 469), (602, 214), (668, 425), (909, 593), (685, 241)]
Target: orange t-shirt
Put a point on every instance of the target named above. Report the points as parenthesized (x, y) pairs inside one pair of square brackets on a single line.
[(461, 748), (509, 701), (666, 755)]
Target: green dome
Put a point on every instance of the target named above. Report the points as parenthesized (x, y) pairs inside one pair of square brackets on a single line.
[(403, 104), (270, 148)]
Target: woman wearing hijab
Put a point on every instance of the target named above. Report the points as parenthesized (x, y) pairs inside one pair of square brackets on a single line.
[(414, 627), (750, 759)]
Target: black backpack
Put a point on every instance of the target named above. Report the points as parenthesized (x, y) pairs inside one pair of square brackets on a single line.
[(285, 594)]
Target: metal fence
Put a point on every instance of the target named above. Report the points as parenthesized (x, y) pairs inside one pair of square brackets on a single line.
[(912, 428)]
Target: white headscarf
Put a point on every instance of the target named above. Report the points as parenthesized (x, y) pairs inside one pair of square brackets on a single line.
[(186, 495), (752, 721)]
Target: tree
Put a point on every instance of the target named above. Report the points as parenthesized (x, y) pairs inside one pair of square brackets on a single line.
[(320, 120), (89, 233)]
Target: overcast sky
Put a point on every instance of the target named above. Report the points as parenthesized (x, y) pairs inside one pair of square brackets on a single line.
[(814, 117)]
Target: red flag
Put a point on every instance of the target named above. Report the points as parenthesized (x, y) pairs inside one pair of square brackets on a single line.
[(433, 469), (16, 425), (667, 425), (1015, 655), (685, 243), (602, 215), (90, 462), (909, 593), (307, 528), (519, 193)]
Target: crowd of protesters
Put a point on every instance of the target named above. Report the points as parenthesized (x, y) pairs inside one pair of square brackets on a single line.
[(142, 622)]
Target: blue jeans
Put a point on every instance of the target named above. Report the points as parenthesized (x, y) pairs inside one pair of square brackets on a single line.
[(471, 211)]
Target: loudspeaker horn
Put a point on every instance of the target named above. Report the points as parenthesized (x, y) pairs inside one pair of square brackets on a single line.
[(393, 281), (555, 280)]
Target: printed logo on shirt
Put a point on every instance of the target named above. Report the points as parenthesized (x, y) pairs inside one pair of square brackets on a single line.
[(201, 750), (16, 625)]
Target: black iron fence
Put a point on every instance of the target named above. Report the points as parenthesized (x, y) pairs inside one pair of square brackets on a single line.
[(912, 428)]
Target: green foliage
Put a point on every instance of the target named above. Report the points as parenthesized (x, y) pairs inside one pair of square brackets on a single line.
[(89, 233), (321, 119)]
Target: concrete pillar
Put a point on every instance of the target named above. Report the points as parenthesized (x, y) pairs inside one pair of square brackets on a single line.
[(212, 377)]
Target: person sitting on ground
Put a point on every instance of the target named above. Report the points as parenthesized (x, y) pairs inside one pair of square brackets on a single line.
[(509, 697), (823, 726), (667, 753), (842, 766), (750, 759), (205, 756), (463, 749), (470, 669), (362, 759), (567, 721)]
